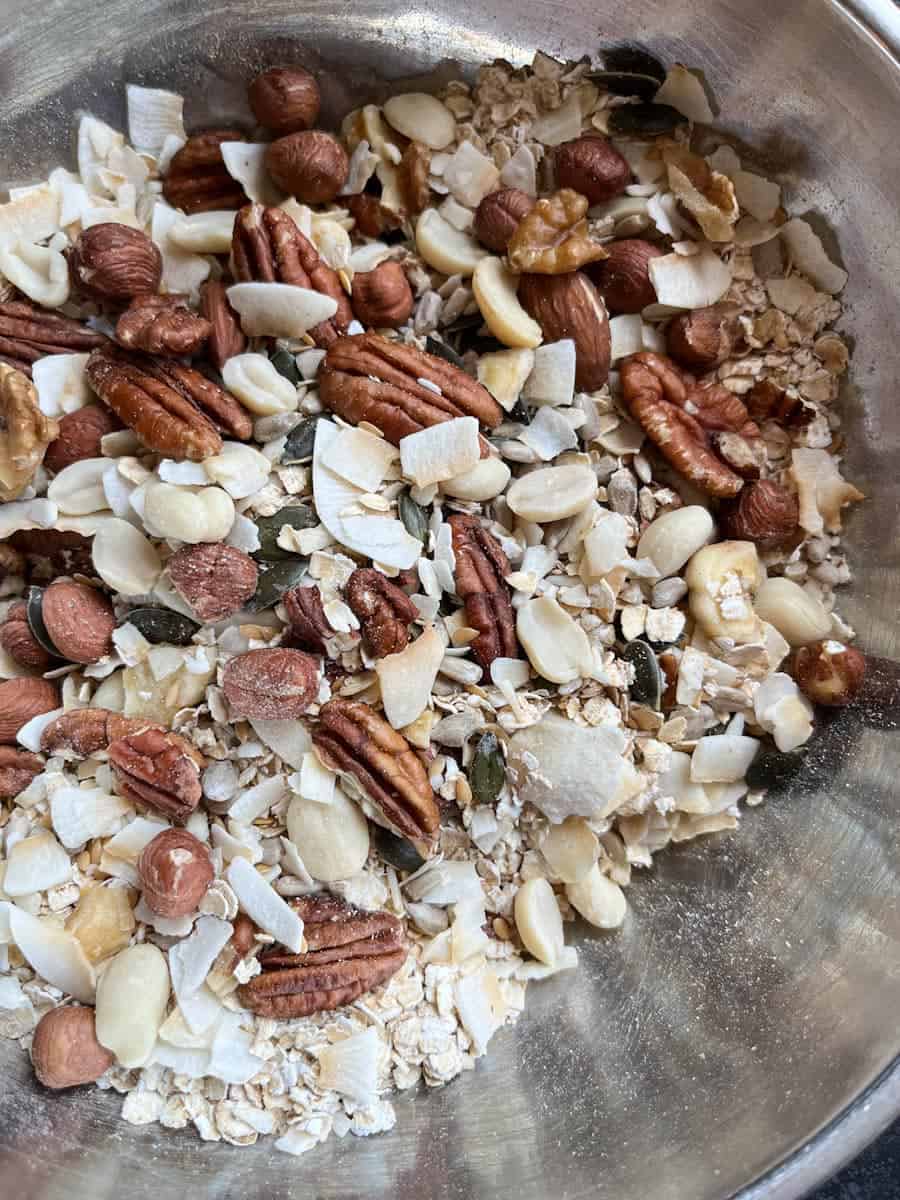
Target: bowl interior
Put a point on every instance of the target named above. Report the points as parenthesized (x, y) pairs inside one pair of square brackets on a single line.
[(754, 990)]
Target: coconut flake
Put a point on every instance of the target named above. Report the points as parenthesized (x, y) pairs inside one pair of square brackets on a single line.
[(683, 91), (261, 903), (360, 457), (549, 434), (552, 379), (351, 1066), (521, 172), (407, 678), (606, 544), (153, 115), (79, 814), (232, 1060), (30, 734), (61, 383), (32, 217), (255, 801), (204, 232), (470, 175), (246, 162), (279, 309), (809, 256), (128, 844), (316, 782), (290, 740), (561, 125), (480, 1006), (444, 883), (182, 270), (722, 758), (55, 954), (693, 282), (440, 451), (35, 864)]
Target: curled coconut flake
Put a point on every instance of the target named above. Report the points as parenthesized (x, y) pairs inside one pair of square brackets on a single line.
[(53, 953), (552, 378), (821, 490), (350, 1066), (445, 883), (441, 451), (79, 814), (480, 1006), (549, 434), (407, 678), (279, 309), (182, 270), (683, 91), (261, 903), (245, 162), (153, 115), (809, 256), (694, 281)]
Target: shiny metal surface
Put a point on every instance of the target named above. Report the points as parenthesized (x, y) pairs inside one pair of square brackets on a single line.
[(753, 996)]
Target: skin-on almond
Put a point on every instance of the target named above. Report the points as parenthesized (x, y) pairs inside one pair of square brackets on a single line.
[(79, 437), (22, 699), (65, 1051), (20, 643), (569, 306), (271, 685), (79, 620)]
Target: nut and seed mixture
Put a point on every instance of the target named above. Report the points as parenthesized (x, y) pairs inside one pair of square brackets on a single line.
[(407, 532)]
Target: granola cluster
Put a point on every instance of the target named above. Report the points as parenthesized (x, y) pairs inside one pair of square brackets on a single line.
[(407, 533)]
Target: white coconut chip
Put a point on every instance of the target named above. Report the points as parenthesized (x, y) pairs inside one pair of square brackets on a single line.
[(55, 954), (407, 678), (676, 783), (190, 961), (521, 172), (204, 232), (444, 883), (821, 490), (35, 864), (350, 1066), (683, 91), (182, 271), (316, 781), (80, 814), (561, 125), (231, 1059), (279, 309), (549, 434), (130, 841), (626, 336), (29, 735), (255, 801), (783, 711), (360, 457), (552, 379), (809, 256), (32, 217), (289, 739), (694, 282), (366, 258), (722, 758), (470, 175), (61, 383), (261, 903), (480, 1006), (246, 162), (504, 373), (440, 451), (606, 544), (153, 115)]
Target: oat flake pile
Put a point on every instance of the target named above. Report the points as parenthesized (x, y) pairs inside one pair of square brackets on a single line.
[(406, 533)]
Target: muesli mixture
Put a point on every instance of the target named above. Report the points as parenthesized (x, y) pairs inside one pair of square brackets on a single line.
[(407, 533)]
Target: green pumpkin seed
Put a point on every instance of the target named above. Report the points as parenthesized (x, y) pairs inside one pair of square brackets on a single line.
[(774, 769), (487, 772), (648, 683), (162, 626), (274, 581), (34, 599), (626, 83), (413, 516), (442, 350), (395, 850), (285, 364), (645, 120), (635, 61), (300, 442), (298, 517)]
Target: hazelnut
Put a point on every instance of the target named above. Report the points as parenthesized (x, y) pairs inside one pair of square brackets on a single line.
[(285, 99), (20, 643), (65, 1051), (498, 216), (591, 166), (701, 339), (569, 306), (763, 512), (22, 699), (624, 277), (175, 871), (114, 262), (829, 673), (382, 298), (79, 621), (311, 166), (79, 437)]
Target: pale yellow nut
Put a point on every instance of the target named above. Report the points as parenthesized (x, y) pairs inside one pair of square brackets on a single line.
[(798, 616), (539, 922), (484, 481), (332, 839), (673, 538), (598, 899), (131, 1001), (446, 249), (188, 514), (722, 579), (422, 118), (495, 294), (257, 384), (571, 849), (552, 493), (102, 922)]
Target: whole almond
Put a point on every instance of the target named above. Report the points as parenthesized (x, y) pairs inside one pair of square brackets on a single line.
[(20, 643), (79, 437), (591, 166), (271, 685), (623, 278), (285, 99), (22, 699), (65, 1051), (175, 871), (114, 262), (569, 306), (79, 620), (498, 215), (312, 166), (215, 579), (17, 769)]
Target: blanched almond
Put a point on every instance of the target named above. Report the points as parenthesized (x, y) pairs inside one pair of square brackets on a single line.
[(495, 291), (124, 559), (551, 493), (571, 849), (598, 899), (131, 1002), (539, 922), (422, 118), (557, 647), (673, 538), (446, 249), (798, 616), (333, 839), (484, 481)]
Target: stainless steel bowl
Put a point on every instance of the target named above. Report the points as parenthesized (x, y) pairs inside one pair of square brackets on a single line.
[(742, 1031)]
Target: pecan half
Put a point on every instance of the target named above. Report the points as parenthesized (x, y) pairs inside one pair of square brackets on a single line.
[(383, 610), (267, 247), (161, 325), (82, 732), (158, 769), (28, 333), (680, 417), (368, 378), (197, 180), (349, 953), (173, 409), (17, 769), (552, 239), (226, 338), (355, 741), (306, 617), (480, 569)]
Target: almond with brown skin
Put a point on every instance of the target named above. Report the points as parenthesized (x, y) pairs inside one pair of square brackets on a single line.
[(20, 643), (79, 620), (112, 262), (65, 1051), (285, 99), (312, 166), (382, 297), (623, 278), (830, 673), (17, 769), (569, 306), (498, 215), (215, 579), (271, 685), (22, 699), (591, 166), (80, 434), (175, 871), (701, 339)]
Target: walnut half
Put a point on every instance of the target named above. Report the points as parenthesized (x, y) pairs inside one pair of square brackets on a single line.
[(25, 433)]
